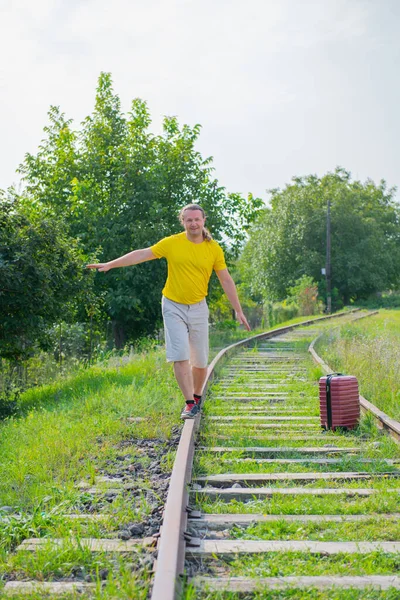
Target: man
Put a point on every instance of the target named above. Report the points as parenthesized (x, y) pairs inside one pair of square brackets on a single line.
[(191, 256)]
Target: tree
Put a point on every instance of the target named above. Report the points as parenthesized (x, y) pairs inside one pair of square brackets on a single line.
[(41, 274), (289, 239), (119, 187)]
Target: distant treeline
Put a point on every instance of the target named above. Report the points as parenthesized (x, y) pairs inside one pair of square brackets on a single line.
[(288, 241)]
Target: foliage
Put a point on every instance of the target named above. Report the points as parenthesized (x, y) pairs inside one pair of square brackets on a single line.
[(385, 300), (289, 238), (302, 301), (222, 315), (227, 325), (9, 396), (304, 295), (278, 312), (119, 187), (41, 273)]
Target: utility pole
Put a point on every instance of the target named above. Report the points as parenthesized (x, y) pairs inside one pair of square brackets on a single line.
[(328, 259)]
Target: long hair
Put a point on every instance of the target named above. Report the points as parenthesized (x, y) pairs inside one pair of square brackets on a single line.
[(206, 234)]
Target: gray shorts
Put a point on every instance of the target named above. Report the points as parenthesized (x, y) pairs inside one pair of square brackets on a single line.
[(186, 331)]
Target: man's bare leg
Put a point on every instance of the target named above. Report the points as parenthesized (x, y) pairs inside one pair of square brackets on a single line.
[(184, 377), (199, 377)]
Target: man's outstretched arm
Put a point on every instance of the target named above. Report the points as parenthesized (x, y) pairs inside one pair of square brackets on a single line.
[(132, 258), (229, 287)]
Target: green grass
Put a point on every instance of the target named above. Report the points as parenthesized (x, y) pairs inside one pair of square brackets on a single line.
[(307, 505), (75, 429), (303, 563), (79, 422), (370, 350), (206, 464), (123, 576), (372, 531)]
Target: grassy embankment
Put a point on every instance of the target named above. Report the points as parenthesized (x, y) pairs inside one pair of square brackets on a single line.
[(74, 429), (370, 350)]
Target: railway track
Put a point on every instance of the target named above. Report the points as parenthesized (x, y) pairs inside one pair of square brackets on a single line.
[(262, 500)]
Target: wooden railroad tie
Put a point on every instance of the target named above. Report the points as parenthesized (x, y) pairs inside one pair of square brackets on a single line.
[(286, 427), (268, 492), (306, 461), (50, 588), (92, 544), (229, 478), (262, 418), (224, 521), (245, 584), (225, 547), (279, 449)]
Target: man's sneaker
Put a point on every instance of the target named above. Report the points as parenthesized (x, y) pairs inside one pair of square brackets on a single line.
[(197, 400), (190, 411)]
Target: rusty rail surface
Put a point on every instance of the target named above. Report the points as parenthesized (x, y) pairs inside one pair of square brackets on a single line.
[(172, 543), (383, 420)]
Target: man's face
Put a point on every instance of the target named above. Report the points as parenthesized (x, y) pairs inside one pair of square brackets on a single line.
[(193, 222)]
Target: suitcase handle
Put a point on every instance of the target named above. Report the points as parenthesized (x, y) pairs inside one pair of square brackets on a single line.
[(328, 397)]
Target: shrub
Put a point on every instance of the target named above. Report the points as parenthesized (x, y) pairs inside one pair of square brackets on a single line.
[(9, 402), (227, 325), (278, 312), (304, 294)]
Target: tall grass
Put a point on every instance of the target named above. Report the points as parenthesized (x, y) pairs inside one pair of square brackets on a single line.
[(370, 350)]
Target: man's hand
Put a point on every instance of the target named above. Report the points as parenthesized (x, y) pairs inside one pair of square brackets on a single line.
[(242, 320), (100, 267)]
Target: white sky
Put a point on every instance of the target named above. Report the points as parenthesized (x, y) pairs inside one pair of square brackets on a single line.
[(281, 87)]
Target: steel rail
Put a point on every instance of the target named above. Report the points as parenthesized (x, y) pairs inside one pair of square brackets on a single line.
[(383, 420), (171, 547)]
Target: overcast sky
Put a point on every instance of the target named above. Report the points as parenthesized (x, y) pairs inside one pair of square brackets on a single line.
[(280, 87)]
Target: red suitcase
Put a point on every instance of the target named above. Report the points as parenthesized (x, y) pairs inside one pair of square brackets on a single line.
[(339, 401)]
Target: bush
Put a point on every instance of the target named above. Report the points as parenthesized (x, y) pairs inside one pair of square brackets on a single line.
[(8, 402), (278, 312), (227, 325), (385, 300), (304, 295)]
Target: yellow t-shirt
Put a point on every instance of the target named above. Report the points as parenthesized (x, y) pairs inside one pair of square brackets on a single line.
[(189, 266)]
